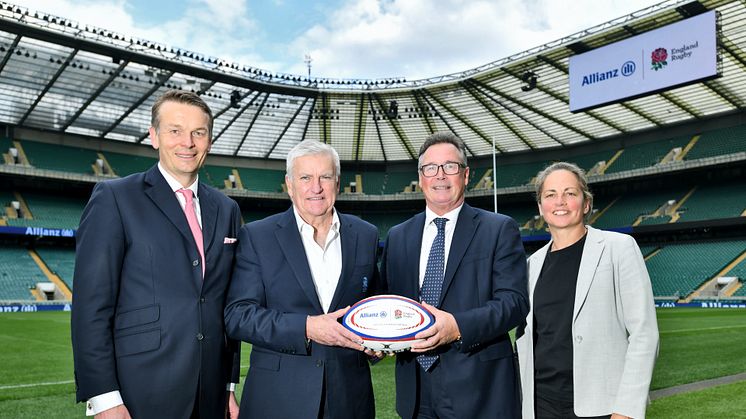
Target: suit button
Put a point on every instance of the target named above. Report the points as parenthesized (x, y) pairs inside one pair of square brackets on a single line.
[(195, 262), (200, 336), (319, 362), (578, 339), (202, 300)]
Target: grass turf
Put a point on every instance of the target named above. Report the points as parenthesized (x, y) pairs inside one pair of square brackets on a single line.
[(696, 344)]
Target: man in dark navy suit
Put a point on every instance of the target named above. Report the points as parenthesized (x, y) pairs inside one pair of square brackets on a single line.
[(296, 274), (153, 264), (469, 268)]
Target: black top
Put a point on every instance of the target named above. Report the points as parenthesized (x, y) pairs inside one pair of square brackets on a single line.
[(554, 299)]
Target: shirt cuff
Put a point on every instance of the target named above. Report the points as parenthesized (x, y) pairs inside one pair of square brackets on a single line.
[(231, 387), (106, 401)]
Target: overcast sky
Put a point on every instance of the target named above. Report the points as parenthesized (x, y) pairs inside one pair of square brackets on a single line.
[(414, 39)]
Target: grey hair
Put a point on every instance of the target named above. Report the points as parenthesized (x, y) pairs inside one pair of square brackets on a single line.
[(573, 168), (440, 138), (308, 148)]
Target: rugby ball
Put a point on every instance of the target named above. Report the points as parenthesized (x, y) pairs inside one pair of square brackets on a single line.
[(387, 323)]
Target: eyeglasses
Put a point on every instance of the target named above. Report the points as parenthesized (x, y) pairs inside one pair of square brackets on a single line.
[(449, 168)]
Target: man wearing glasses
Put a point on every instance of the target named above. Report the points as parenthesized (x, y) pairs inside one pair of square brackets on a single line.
[(468, 267)]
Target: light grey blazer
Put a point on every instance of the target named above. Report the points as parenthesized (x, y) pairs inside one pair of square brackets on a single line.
[(614, 329)]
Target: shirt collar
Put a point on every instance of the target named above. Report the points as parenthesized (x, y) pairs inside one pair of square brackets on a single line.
[(175, 185), (451, 215), (304, 225)]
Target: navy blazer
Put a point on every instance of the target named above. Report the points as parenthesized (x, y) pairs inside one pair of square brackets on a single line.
[(485, 289), (144, 322), (271, 295)]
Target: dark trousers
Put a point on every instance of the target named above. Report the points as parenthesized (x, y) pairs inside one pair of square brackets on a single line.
[(433, 402), (558, 409)]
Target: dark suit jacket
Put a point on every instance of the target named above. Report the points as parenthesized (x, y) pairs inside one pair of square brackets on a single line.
[(271, 294), (143, 321), (484, 288)]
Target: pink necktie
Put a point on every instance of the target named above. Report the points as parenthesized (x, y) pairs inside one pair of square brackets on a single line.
[(194, 224)]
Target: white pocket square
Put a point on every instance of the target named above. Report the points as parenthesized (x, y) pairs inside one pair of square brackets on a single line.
[(229, 240)]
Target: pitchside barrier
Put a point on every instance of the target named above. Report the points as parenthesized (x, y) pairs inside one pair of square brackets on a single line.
[(32, 306)]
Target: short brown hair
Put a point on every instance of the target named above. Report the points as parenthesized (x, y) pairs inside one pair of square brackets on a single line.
[(444, 137), (179, 96)]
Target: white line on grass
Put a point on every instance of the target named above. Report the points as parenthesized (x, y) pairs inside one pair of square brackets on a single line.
[(51, 383), (702, 329)]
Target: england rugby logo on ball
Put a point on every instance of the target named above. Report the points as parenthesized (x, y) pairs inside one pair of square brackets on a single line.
[(387, 323)]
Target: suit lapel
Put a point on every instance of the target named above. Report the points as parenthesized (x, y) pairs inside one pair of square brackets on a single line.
[(163, 197), (349, 244), (292, 247), (592, 250), (413, 231), (462, 235), (533, 276)]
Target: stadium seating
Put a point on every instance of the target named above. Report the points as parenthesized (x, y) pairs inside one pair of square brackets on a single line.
[(518, 174), (6, 197), (60, 261), (254, 215), (5, 144), (645, 155), (18, 273), (588, 161), (679, 269), (625, 211), (384, 221), (214, 176), (262, 180), (373, 182), (648, 249), (395, 182), (51, 211), (739, 271), (125, 164), (656, 219), (714, 201), (719, 142), (59, 157), (523, 214)]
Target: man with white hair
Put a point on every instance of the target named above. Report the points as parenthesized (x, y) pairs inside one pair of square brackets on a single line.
[(296, 273)]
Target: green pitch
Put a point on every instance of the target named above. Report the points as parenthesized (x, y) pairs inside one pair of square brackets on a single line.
[(696, 344)]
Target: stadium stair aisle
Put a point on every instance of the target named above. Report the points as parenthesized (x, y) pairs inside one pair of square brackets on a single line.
[(687, 148), (51, 276), (612, 160), (675, 215), (600, 213), (24, 206), (37, 294), (723, 272), (736, 268)]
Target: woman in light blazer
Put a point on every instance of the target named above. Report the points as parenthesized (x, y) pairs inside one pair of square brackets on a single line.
[(589, 343)]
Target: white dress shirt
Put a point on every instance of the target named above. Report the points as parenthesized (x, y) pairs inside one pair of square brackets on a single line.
[(429, 233), (325, 262), (98, 404), (175, 186)]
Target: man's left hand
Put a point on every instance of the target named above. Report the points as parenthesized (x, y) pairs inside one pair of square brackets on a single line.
[(444, 331), (618, 416), (232, 408)]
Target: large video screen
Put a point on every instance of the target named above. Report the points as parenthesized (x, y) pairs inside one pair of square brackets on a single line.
[(675, 55)]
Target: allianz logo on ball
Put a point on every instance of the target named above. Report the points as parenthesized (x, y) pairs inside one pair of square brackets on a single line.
[(387, 323)]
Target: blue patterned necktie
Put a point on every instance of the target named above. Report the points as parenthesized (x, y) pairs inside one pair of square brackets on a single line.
[(433, 282)]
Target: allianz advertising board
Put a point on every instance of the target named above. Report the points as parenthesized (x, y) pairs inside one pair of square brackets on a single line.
[(674, 55)]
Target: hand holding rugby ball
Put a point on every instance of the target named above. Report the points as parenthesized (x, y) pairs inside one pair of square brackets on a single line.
[(387, 323)]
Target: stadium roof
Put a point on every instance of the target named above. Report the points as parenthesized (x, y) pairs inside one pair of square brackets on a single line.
[(59, 76)]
